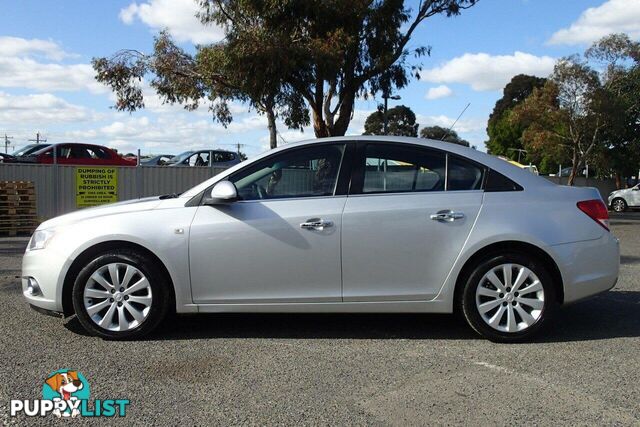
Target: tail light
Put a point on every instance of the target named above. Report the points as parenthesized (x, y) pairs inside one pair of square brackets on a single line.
[(596, 210)]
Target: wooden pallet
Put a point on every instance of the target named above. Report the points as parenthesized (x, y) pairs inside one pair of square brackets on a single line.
[(16, 185), (17, 208)]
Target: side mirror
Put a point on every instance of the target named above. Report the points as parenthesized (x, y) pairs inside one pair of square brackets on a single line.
[(222, 193)]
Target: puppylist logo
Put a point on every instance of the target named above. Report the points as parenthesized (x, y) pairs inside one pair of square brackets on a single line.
[(65, 393)]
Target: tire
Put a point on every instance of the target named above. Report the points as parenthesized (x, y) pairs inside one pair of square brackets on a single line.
[(139, 304), (482, 302), (619, 204)]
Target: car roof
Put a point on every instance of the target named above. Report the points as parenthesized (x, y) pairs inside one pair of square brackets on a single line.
[(81, 144), (521, 176)]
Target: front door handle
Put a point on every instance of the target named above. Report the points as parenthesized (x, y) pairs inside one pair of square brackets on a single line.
[(447, 216), (317, 224)]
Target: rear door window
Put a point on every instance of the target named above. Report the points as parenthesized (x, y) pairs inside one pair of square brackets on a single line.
[(393, 168)]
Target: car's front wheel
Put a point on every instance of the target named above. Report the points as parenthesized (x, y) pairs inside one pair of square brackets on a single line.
[(619, 205), (120, 295), (508, 297)]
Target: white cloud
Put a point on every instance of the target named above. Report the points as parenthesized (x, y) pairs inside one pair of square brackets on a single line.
[(16, 46), (19, 69), (285, 136), (462, 126), (30, 74), (489, 72), (438, 92), (173, 133), (178, 16), (40, 109), (613, 16)]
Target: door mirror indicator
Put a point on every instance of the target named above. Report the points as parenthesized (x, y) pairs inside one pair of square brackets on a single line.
[(223, 192)]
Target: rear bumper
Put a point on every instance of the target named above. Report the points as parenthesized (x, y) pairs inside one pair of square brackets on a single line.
[(588, 268)]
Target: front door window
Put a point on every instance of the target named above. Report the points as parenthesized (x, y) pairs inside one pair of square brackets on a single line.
[(306, 172)]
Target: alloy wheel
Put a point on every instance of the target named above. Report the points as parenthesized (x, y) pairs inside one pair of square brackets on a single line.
[(619, 205), (510, 298), (117, 297)]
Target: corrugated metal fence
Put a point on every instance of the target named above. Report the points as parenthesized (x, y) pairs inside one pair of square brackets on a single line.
[(55, 185)]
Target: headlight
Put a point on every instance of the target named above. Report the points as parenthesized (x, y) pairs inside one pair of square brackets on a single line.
[(40, 239)]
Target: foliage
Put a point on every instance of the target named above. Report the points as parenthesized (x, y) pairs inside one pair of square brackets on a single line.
[(505, 136), (585, 116), (401, 121), (442, 134), (217, 73), (620, 57), (295, 59), (566, 117)]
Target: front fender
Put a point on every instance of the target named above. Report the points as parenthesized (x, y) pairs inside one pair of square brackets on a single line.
[(165, 233)]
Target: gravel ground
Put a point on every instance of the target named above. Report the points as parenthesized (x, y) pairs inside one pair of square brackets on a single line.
[(341, 369)]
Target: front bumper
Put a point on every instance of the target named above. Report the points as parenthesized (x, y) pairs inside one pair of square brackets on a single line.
[(46, 266), (589, 267), (45, 311)]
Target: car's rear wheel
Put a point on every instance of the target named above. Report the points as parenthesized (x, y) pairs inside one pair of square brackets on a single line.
[(120, 295), (508, 297), (619, 205)]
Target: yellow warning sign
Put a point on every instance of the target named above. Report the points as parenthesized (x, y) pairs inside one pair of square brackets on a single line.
[(96, 186)]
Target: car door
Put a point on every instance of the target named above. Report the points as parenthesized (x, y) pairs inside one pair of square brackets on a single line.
[(406, 220), (281, 241)]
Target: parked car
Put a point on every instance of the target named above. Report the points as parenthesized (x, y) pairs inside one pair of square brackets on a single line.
[(621, 200), (159, 160), (76, 154), (350, 224), (218, 158), (6, 158)]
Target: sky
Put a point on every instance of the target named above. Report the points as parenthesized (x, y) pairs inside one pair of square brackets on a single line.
[(47, 84)]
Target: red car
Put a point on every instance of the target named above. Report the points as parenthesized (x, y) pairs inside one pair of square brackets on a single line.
[(77, 154)]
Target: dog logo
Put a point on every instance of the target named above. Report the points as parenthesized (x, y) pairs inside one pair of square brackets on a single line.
[(66, 388)]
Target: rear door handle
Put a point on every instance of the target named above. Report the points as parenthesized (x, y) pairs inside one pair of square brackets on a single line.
[(447, 216), (317, 224)]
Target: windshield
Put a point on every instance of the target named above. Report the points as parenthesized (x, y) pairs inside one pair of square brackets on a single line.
[(180, 157), (29, 149)]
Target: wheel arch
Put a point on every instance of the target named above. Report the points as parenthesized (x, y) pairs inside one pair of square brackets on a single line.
[(85, 256), (506, 247)]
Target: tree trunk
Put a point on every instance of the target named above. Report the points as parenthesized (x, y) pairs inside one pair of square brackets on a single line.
[(319, 126), (271, 124), (344, 118), (575, 169), (575, 166), (337, 127)]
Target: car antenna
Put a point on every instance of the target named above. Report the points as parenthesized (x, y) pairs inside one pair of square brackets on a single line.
[(454, 123)]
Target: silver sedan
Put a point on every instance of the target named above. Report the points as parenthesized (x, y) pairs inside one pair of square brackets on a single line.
[(353, 224)]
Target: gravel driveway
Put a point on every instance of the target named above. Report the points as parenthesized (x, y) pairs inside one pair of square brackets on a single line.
[(341, 369)]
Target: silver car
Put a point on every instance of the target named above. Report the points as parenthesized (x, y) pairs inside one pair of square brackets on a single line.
[(621, 200), (352, 224)]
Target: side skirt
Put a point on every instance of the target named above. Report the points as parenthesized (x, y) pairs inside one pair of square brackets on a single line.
[(333, 307)]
